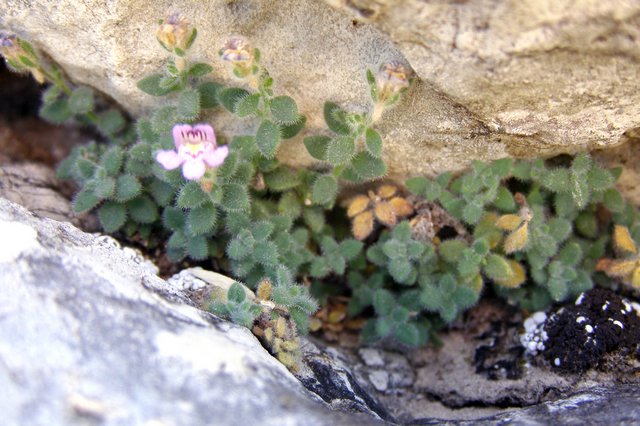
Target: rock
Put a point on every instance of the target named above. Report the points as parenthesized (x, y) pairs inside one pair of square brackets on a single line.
[(495, 78), (597, 406), (91, 335), (35, 186)]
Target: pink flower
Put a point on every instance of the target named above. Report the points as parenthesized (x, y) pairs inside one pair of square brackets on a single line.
[(195, 150)]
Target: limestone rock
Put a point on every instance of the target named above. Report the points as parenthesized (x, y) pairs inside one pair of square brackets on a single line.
[(495, 78), (91, 335)]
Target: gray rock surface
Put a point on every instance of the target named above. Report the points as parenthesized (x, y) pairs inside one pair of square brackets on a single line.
[(496, 78), (90, 335)]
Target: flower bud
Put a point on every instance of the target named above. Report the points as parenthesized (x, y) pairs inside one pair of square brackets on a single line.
[(392, 78), (19, 59), (238, 52), (174, 32)]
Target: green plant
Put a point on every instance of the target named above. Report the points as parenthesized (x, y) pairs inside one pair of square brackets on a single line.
[(277, 314), (532, 231), (168, 180)]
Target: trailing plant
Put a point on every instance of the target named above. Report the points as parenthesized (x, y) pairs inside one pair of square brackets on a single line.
[(168, 180), (534, 232)]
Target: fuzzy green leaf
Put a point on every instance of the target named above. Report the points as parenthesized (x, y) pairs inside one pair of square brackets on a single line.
[(81, 100), (290, 204), (317, 146), (284, 110), (197, 248), (417, 185), (314, 218), (112, 216), (579, 191), (521, 170), (581, 164), (335, 117), (248, 105), (143, 209), (502, 167), (504, 200), (105, 187), (340, 150), (188, 107), (408, 334), (235, 198), (112, 160), (268, 138), (394, 249), (262, 230), (472, 213), (587, 224), (367, 167), (291, 130), (173, 218), (151, 85), (558, 289), (559, 229), (230, 97), (85, 200), (141, 152), (402, 271), (282, 179), (613, 200), (202, 220), (191, 196), (127, 187), (200, 69), (55, 112), (266, 253), (570, 254), (236, 293), (451, 250), (110, 122), (350, 248), (564, 205), (145, 131), (324, 190), (383, 302), (600, 179), (373, 142), (209, 94), (497, 268)]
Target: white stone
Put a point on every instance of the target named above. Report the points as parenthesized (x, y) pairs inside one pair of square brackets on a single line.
[(18, 238)]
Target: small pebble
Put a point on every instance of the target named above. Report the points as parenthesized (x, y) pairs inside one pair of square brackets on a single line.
[(380, 380)]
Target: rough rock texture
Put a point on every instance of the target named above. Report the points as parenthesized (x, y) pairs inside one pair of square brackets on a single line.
[(90, 335), (496, 77), (596, 406), (35, 187)]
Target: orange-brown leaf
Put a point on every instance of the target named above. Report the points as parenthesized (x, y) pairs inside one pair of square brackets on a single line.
[(509, 222), (362, 225), (635, 279), (518, 275), (516, 240), (401, 207), (385, 214), (357, 205), (387, 191), (617, 268), (622, 240)]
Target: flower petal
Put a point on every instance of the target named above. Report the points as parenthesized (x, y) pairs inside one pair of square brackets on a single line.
[(178, 133), (215, 157), (169, 159), (193, 169), (208, 131)]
